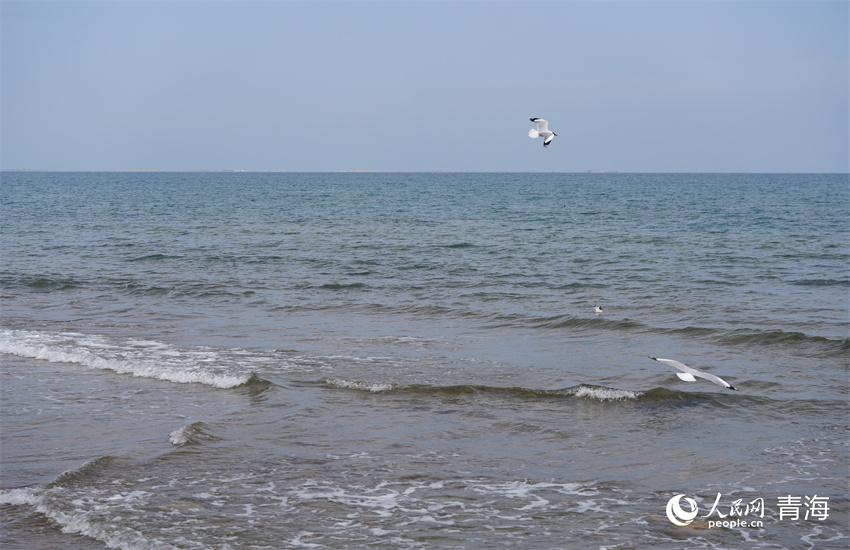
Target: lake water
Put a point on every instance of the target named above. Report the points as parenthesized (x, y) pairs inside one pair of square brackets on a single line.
[(353, 360)]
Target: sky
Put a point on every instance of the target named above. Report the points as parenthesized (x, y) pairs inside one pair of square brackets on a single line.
[(425, 86)]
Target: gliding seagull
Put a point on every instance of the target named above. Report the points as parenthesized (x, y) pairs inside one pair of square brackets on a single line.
[(688, 373), (542, 131)]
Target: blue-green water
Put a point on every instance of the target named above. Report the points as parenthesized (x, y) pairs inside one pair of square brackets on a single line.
[(209, 360)]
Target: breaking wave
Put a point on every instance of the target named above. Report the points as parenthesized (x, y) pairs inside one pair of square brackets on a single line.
[(588, 393), (80, 475), (54, 504), (191, 434), (581, 391), (134, 357)]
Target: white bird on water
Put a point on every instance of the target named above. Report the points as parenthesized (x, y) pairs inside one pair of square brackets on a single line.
[(688, 373), (597, 310), (542, 131)]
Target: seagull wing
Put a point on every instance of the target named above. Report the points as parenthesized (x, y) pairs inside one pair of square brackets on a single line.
[(542, 125), (716, 379), (693, 372), (548, 139), (673, 363)]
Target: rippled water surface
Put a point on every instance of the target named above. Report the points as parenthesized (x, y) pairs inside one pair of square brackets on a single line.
[(207, 360)]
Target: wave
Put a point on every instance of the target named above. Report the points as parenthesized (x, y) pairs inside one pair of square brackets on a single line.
[(581, 391), (191, 434), (821, 282), (58, 501), (770, 337), (589, 393), (747, 337), (79, 476), (716, 335), (565, 321), (56, 505), (341, 286), (42, 283), (129, 286), (373, 387), (138, 358), (154, 258)]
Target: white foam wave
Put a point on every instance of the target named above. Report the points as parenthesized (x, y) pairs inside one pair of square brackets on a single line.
[(180, 436), (363, 386), (189, 434), (20, 497), (138, 358), (321, 511), (523, 489), (399, 505), (604, 394), (72, 519)]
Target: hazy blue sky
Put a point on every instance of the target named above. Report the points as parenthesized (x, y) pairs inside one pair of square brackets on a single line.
[(634, 86)]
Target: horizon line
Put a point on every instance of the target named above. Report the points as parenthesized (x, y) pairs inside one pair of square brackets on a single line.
[(362, 171)]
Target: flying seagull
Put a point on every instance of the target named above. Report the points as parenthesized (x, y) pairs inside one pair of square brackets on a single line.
[(542, 131), (688, 373)]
